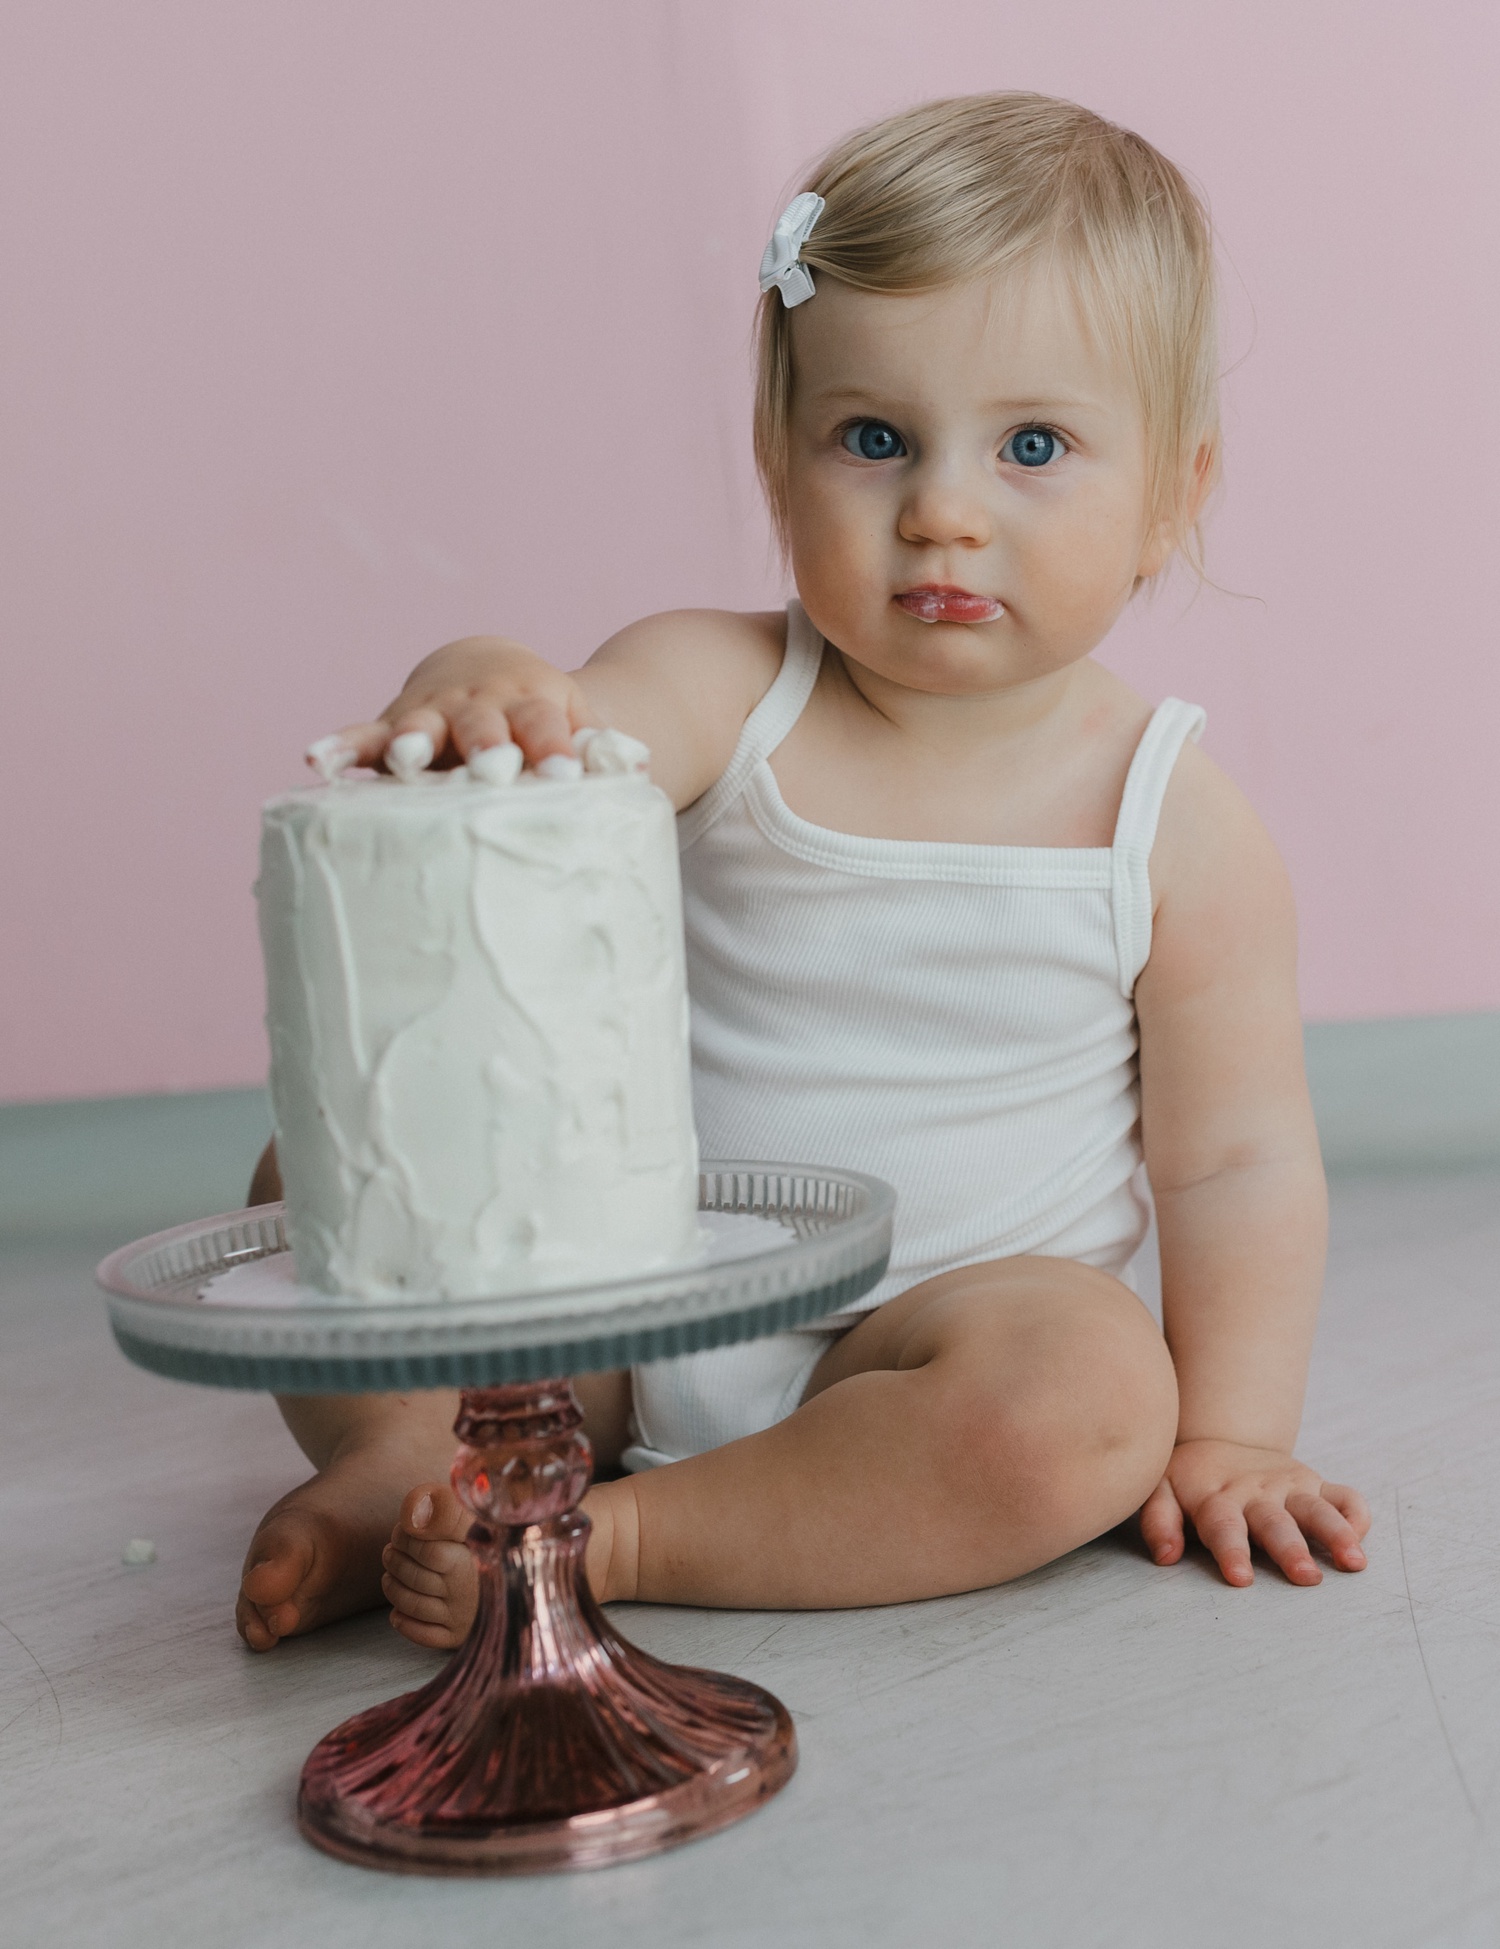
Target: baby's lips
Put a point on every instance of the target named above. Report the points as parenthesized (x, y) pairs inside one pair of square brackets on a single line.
[(949, 606)]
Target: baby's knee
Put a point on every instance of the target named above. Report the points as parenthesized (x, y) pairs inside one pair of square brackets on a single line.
[(1130, 1388), (1081, 1430)]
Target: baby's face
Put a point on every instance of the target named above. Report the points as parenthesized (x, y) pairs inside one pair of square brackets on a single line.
[(970, 440)]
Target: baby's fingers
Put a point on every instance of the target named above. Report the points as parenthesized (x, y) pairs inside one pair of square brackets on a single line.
[(1161, 1524), (417, 738), (1224, 1533), (1322, 1522), (1351, 1505), (478, 726), (356, 744), (405, 743), (542, 730), (1276, 1531)]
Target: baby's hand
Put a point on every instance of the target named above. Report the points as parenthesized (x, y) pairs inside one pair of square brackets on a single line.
[(465, 698), (1236, 1496)]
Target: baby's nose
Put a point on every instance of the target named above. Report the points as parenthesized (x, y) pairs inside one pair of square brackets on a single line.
[(946, 509)]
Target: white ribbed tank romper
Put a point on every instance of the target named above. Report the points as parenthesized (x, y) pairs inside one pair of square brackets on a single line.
[(956, 1019)]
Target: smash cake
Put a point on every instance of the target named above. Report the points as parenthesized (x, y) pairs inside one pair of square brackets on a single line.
[(477, 1010)]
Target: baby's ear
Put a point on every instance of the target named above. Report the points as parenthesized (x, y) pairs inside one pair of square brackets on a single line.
[(1161, 546), (1162, 543), (1176, 527)]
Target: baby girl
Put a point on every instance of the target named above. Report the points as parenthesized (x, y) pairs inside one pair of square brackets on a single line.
[(962, 911)]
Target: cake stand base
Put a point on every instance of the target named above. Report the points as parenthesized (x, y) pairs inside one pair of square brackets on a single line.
[(547, 1742)]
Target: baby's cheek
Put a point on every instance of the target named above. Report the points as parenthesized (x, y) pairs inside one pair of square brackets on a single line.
[(1070, 594), (842, 580)]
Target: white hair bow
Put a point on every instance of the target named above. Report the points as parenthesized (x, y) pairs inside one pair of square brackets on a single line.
[(782, 265)]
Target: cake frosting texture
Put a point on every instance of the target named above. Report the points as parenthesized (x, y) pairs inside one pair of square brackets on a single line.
[(479, 1039)]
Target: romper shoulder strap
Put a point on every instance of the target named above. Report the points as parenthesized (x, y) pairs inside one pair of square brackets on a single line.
[(1172, 724), (765, 727)]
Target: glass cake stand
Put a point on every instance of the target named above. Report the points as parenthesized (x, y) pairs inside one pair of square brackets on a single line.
[(547, 1741)]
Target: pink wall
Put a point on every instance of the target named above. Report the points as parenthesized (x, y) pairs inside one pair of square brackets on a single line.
[(339, 327)]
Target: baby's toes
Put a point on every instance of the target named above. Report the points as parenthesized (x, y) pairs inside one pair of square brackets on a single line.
[(431, 1637), (277, 1563), (430, 1580), (416, 1606), (252, 1626), (426, 1571), (432, 1602), (280, 1557), (431, 1513)]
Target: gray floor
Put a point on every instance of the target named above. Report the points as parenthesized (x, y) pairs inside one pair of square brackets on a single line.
[(1103, 1755)]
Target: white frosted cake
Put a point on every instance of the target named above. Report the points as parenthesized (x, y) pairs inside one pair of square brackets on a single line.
[(479, 1034)]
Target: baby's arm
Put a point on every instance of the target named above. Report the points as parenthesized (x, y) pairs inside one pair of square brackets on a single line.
[(1232, 1153), (683, 683)]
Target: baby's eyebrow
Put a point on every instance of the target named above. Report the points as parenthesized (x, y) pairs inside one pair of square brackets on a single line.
[(848, 395), (1039, 408), (1057, 403)]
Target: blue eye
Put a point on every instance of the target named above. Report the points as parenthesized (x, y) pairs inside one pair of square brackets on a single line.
[(874, 440), (1033, 446)]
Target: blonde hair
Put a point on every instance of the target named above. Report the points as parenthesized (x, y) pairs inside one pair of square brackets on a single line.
[(964, 188)]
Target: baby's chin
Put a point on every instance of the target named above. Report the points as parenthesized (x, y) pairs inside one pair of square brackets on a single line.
[(939, 658)]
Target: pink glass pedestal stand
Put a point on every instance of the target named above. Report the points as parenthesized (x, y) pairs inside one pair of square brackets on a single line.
[(547, 1741)]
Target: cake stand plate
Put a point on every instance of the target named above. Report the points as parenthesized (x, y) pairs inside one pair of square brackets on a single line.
[(547, 1741), (827, 1239)]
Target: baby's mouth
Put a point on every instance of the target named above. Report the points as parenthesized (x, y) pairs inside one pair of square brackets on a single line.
[(940, 603)]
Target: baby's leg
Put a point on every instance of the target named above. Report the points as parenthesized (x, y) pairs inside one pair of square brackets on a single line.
[(978, 1426)]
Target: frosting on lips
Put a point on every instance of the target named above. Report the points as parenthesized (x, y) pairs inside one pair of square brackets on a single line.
[(934, 604), (479, 1034)]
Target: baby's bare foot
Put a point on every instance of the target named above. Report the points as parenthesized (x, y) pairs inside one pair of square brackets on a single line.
[(315, 1556), (430, 1577), (306, 1566)]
